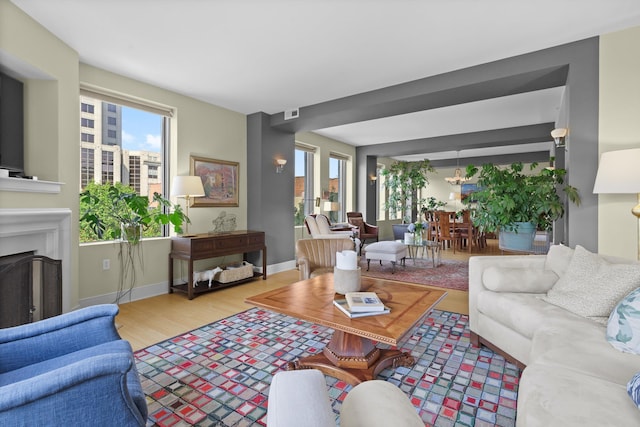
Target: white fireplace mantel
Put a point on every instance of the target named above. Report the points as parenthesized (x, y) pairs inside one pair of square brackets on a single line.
[(29, 185), (46, 231)]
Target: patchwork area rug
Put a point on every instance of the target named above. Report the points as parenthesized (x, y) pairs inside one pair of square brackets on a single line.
[(449, 274), (219, 374)]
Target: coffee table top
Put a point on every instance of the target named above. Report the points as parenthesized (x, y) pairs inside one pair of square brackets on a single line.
[(312, 300)]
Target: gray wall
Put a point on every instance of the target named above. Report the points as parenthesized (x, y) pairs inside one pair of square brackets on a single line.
[(270, 194), (573, 65)]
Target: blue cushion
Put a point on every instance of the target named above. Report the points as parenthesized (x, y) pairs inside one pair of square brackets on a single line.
[(623, 327), (633, 388)]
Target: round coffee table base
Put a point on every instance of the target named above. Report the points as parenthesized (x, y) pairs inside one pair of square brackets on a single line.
[(353, 359)]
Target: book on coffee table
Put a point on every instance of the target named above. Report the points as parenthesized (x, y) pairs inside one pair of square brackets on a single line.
[(344, 307), (363, 301)]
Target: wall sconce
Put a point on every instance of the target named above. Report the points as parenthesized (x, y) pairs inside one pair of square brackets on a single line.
[(280, 165), (373, 180), (559, 136)]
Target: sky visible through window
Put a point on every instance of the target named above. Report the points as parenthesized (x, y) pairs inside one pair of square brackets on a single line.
[(141, 131)]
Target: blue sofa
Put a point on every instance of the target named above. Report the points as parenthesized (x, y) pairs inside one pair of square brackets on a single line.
[(71, 370)]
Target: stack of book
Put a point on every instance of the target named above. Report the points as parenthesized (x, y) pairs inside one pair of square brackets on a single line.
[(361, 304)]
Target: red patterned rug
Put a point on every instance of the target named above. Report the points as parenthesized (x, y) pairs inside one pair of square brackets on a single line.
[(449, 274)]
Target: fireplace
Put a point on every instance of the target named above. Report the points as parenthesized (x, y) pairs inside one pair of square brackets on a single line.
[(42, 231)]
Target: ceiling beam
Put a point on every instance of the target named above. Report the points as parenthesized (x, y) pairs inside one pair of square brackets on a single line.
[(454, 88), (472, 140)]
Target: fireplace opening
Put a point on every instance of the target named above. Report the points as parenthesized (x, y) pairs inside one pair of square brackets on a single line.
[(30, 288)]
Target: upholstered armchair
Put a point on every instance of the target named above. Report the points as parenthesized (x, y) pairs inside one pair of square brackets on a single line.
[(70, 370), (319, 227), (367, 231), (318, 256)]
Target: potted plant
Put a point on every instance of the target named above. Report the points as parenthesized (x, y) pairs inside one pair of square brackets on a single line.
[(510, 201), (117, 212), (403, 180), (430, 205)]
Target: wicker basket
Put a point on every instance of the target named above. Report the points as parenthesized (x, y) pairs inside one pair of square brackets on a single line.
[(232, 274)]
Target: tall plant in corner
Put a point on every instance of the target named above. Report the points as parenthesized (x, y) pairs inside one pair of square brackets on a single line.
[(117, 212), (404, 179)]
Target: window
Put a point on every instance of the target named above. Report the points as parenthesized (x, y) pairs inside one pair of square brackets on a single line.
[(86, 166), (86, 108), (337, 186), (107, 167), (109, 158), (381, 194), (86, 123), (303, 191)]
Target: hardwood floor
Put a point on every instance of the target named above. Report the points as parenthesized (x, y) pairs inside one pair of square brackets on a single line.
[(146, 322)]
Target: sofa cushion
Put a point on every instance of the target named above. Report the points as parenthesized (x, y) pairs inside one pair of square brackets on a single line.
[(520, 312), (593, 286), (558, 259), (578, 343), (551, 396), (623, 328), (530, 280), (633, 388)]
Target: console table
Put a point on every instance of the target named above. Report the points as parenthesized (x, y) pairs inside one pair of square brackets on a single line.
[(204, 246)]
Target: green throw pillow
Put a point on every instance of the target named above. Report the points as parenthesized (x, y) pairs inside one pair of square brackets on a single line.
[(623, 328)]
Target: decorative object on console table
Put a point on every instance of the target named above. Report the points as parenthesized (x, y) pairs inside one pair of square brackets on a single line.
[(205, 246), (221, 181), (618, 173)]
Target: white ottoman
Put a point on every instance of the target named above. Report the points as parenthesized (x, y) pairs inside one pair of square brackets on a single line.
[(386, 251)]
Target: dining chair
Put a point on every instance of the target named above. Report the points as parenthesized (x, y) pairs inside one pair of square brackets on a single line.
[(446, 230)]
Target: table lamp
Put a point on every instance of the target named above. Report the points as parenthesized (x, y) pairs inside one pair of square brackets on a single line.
[(619, 173), (187, 187)]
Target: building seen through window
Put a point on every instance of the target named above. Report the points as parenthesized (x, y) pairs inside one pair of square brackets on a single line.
[(121, 144)]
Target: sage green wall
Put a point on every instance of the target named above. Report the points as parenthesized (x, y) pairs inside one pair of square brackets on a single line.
[(49, 71), (619, 129), (198, 129), (53, 75)]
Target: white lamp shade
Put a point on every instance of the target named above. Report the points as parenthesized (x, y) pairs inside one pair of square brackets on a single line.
[(618, 172), (187, 186)]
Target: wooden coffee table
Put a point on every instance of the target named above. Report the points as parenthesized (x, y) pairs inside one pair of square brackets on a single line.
[(352, 355)]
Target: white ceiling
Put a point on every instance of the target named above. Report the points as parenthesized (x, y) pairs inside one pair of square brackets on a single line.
[(273, 55)]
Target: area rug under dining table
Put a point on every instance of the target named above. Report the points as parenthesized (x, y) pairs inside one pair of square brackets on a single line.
[(449, 274), (219, 374)]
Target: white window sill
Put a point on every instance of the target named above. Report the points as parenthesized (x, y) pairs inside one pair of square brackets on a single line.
[(29, 185)]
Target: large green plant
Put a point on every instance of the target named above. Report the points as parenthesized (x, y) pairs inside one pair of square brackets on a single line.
[(508, 195), (404, 179), (108, 209)]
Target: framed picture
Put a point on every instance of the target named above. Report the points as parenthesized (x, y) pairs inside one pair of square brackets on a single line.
[(220, 180), (466, 192)]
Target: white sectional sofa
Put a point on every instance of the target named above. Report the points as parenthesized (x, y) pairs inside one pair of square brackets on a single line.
[(573, 375)]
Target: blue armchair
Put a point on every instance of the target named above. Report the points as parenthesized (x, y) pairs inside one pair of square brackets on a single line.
[(71, 370)]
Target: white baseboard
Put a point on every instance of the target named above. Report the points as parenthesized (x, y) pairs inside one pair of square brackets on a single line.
[(138, 293), (148, 291)]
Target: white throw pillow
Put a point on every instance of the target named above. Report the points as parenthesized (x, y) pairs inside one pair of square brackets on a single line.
[(593, 286), (623, 328), (558, 259), (531, 280)]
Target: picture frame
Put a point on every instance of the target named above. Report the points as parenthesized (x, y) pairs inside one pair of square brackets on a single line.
[(220, 179)]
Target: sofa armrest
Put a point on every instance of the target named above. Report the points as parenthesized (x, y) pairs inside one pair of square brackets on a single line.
[(57, 396), (56, 336), (477, 266)]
